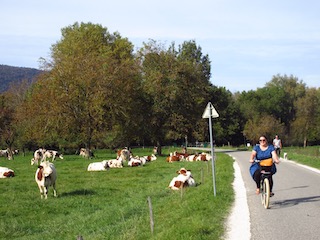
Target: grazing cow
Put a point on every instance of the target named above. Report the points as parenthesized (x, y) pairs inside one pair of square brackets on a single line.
[(51, 154), (7, 154), (184, 179), (86, 153), (38, 156), (46, 176), (115, 163), (124, 154), (98, 166), (6, 172), (4, 153)]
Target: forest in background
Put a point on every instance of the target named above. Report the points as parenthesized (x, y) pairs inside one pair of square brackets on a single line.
[(10, 75), (97, 92)]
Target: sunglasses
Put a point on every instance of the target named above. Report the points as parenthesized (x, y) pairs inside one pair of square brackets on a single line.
[(262, 140)]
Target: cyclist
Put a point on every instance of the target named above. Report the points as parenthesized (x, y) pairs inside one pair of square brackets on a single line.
[(263, 154), (277, 144)]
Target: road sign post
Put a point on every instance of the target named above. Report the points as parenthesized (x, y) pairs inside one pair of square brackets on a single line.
[(210, 112)]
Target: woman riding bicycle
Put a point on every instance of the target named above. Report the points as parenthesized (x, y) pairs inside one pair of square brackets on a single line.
[(262, 158)]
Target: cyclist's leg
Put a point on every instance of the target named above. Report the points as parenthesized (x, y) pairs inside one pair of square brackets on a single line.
[(257, 179), (271, 185), (278, 152)]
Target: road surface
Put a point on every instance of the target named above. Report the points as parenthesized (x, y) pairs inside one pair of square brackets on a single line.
[(294, 212)]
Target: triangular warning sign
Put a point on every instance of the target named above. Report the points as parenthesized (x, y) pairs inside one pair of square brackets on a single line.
[(210, 109)]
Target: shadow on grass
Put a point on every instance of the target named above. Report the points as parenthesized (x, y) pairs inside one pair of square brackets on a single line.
[(80, 192)]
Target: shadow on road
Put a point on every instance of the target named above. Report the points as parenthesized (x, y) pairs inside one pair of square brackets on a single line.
[(294, 201)]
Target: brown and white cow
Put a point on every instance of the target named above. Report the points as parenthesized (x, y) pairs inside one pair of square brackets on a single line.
[(184, 179), (6, 172), (124, 154), (46, 176)]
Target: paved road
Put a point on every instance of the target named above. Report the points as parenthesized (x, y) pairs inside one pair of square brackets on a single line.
[(294, 212)]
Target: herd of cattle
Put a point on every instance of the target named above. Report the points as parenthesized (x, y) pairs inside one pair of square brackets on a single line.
[(46, 173)]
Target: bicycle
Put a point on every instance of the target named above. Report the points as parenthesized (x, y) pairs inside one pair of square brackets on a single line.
[(265, 188)]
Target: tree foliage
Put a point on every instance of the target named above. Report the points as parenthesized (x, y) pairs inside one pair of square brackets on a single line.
[(175, 83), (96, 92)]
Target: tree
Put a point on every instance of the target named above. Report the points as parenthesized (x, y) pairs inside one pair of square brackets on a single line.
[(228, 126), (90, 91), (305, 126), (175, 84), (275, 99), (263, 125)]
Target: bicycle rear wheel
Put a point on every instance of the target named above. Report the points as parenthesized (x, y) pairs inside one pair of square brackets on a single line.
[(265, 193)]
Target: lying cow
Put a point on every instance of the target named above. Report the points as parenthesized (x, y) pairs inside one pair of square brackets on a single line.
[(136, 161), (204, 157), (184, 179), (173, 158), (98, 166), (124, 154), (6, 172), (46, 175), (115, 163)]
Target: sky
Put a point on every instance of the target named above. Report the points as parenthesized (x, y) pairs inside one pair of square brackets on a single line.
[(247, 41)]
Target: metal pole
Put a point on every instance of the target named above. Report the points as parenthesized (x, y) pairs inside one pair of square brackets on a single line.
[(212, 153)]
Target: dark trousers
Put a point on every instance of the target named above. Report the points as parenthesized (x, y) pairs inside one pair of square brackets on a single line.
[(257, 177), (278, 150)]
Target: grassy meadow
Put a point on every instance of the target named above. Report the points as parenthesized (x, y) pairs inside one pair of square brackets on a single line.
[(113, 204), (309, 156)]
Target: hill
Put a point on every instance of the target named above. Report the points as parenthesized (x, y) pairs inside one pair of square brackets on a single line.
[(10, 75)]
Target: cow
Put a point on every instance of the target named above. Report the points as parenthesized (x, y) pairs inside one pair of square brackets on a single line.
[(98, 166), (149, 158), (135, 162), (191, 158), (7, 153), (4, 153), (115, 163), (45, 177), (124, 154), (86, 153), (38, 156), (173, 158), (204, 157), (6, 172), (184, 179), (51, 154)]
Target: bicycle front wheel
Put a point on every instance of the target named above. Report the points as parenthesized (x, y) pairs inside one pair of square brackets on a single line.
[(265, 194)]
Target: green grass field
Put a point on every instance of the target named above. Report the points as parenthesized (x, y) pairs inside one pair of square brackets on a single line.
[(114, 204), (309, 156)]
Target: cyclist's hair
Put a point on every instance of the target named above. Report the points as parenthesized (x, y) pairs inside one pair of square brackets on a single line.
[(264, 137)]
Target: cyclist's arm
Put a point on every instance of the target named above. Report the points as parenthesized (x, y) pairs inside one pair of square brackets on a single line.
[(275, 157), (253, 156)]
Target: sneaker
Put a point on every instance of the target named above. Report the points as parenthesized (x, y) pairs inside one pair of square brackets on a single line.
[(271, 194), (257, 191)]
